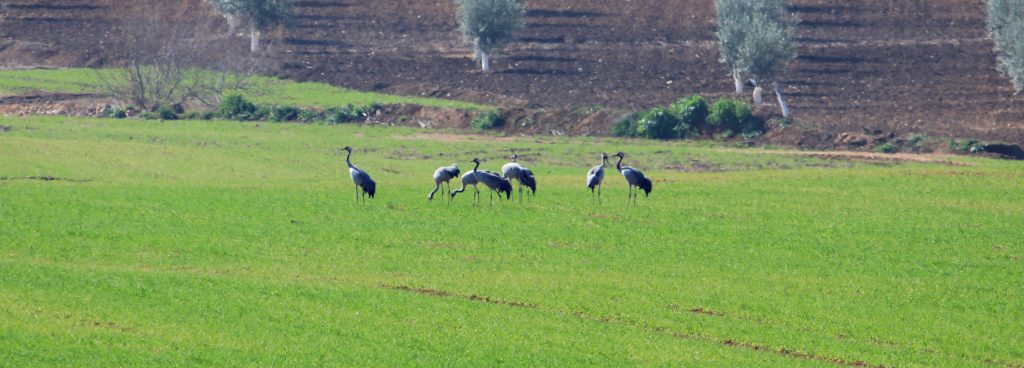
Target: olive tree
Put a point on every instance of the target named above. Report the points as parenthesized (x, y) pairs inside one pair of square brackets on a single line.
[(258, 15), (488, 25), (1006, 27), (756, 41)]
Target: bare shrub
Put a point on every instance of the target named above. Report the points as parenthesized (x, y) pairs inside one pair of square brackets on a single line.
[(171, 61)]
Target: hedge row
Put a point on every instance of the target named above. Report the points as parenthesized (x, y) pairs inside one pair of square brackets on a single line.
[(236, 107), (690, 117)]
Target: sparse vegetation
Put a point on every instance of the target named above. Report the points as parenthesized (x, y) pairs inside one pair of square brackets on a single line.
[(487, 25)]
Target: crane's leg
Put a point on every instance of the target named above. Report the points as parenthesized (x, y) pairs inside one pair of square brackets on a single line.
[(592, 196), (629, 198), (476, 195), (599, 193), (491, 195), (357, 194)]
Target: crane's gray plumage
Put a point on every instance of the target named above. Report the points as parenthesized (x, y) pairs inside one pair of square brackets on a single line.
[(470, 179), (514, 171), (634, 177), (595, 177), (444, 175), (360, 178), (492, 180)]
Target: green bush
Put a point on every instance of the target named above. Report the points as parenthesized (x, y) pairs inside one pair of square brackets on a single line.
[(166, 113), (488, 120), (625, 126), (261, 113), (283, 113), (237, 108), (309, 116), (692, 113), (658, 123), (149, 115), (347, 114), (966, 146), (731, 115), (113, 112), (885, 148), (192, 115)]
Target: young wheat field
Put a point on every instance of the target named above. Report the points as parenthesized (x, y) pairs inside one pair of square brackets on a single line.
[(132, 243)]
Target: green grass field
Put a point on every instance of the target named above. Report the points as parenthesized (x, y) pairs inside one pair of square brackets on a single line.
[(240, 244), (265, 90)]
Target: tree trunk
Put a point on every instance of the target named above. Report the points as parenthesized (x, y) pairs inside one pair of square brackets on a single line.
[(782, 101), (738, 80), (485, 61), (254, 41), (232, 24), (758, 96)]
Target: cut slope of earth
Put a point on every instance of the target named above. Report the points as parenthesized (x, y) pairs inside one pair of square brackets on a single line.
[(877, 65)]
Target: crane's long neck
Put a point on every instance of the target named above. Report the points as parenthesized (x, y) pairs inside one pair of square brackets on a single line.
[(348, 158), (475, 167), (619, 164)]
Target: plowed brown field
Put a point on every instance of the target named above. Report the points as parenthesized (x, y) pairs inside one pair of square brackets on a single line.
[(897, 66)]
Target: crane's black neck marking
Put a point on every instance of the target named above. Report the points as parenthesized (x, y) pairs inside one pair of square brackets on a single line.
[(348, 158), (619, 164)]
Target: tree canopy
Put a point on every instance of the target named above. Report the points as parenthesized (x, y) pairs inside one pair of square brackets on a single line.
[(1006, 27), (259, 14), (489, 24)]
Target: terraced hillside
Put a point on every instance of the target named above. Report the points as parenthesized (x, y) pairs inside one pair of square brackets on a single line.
[(900, 66)]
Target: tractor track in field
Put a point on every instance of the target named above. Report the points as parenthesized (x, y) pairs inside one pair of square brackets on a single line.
[(447, 294), (733, 343), (43, 178), (700, 311)]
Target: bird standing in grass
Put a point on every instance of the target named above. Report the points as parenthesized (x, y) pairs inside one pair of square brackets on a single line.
[(635, 178), (595, 177), (514, 171), (493, 181), (444, 175), (361, 179)]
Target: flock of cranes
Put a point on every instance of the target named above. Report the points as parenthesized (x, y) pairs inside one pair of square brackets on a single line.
[(502, 183)]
